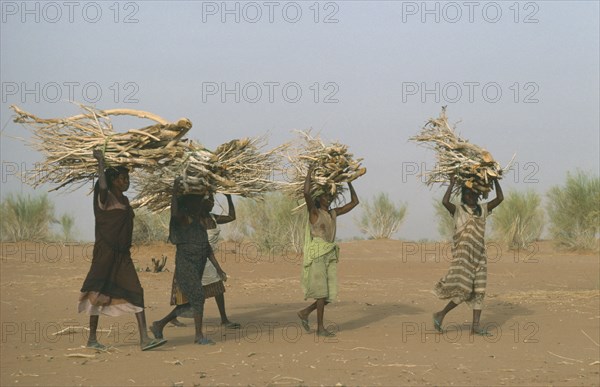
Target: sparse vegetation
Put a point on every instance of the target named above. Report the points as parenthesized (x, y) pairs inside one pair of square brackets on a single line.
[(67, 222), (381, 218), (150, 227), (270, 223), (26, 218), (574, 212), (445, 222), (519, 220)]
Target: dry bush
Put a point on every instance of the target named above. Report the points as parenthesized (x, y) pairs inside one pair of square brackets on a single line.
[(150, 227)]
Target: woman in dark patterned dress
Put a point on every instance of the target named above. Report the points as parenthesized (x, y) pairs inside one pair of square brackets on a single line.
[(214, 276), (193, 249), (466, 279)]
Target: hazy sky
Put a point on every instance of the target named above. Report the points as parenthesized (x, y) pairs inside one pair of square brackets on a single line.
[(522, 77)]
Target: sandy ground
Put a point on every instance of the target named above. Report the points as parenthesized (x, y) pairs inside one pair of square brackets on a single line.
[(542, 306)]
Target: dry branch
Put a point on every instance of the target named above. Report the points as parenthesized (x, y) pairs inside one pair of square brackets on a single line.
[(238, 167), (156, 154), (472, 165), (67, 144), (334, 167), (159, 264)]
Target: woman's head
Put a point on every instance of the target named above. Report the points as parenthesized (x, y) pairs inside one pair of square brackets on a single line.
[(469, 196), (117, 177), (323, 201), (208, 202), (191, 202)]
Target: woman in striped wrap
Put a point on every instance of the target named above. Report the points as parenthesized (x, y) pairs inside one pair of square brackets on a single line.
[(467, 277)]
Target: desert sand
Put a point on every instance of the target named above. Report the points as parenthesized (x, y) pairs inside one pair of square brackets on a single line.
[(542, 305)]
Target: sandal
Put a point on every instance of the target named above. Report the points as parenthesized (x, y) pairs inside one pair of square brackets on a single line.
[(231, 325), (153, 344), (481, 332), (205, 341), (325, 333), (304, 323), (437, 325), (96, 345)]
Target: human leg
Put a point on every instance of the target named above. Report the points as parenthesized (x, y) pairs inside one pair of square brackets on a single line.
[(321, 331), (93, 340), (157, 326), (438, 317), (476, 329), (146, 342), (220, 300), (304, 313), (199, 337)]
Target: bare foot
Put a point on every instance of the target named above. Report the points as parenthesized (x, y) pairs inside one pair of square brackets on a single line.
[(156, 330)]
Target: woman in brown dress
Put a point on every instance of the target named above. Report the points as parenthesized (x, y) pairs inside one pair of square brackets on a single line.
[(112, 286)]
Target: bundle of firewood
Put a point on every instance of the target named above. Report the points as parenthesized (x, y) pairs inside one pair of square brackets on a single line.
[(237, 167), (334, 166), (156, 154), (67, 144), (471, 165)]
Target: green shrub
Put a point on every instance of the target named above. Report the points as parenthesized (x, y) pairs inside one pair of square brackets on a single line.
[(26, 218), (66, 222), (574, 214), (381, 218), (519, 220), (270, 223)]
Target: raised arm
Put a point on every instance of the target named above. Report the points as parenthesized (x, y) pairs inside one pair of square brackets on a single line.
[(310, 203), (230, 217), (349, 206), (499, 197), (446, 200), (98, 155)]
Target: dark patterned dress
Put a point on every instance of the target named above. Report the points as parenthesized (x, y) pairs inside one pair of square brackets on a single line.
[(192, 253)]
